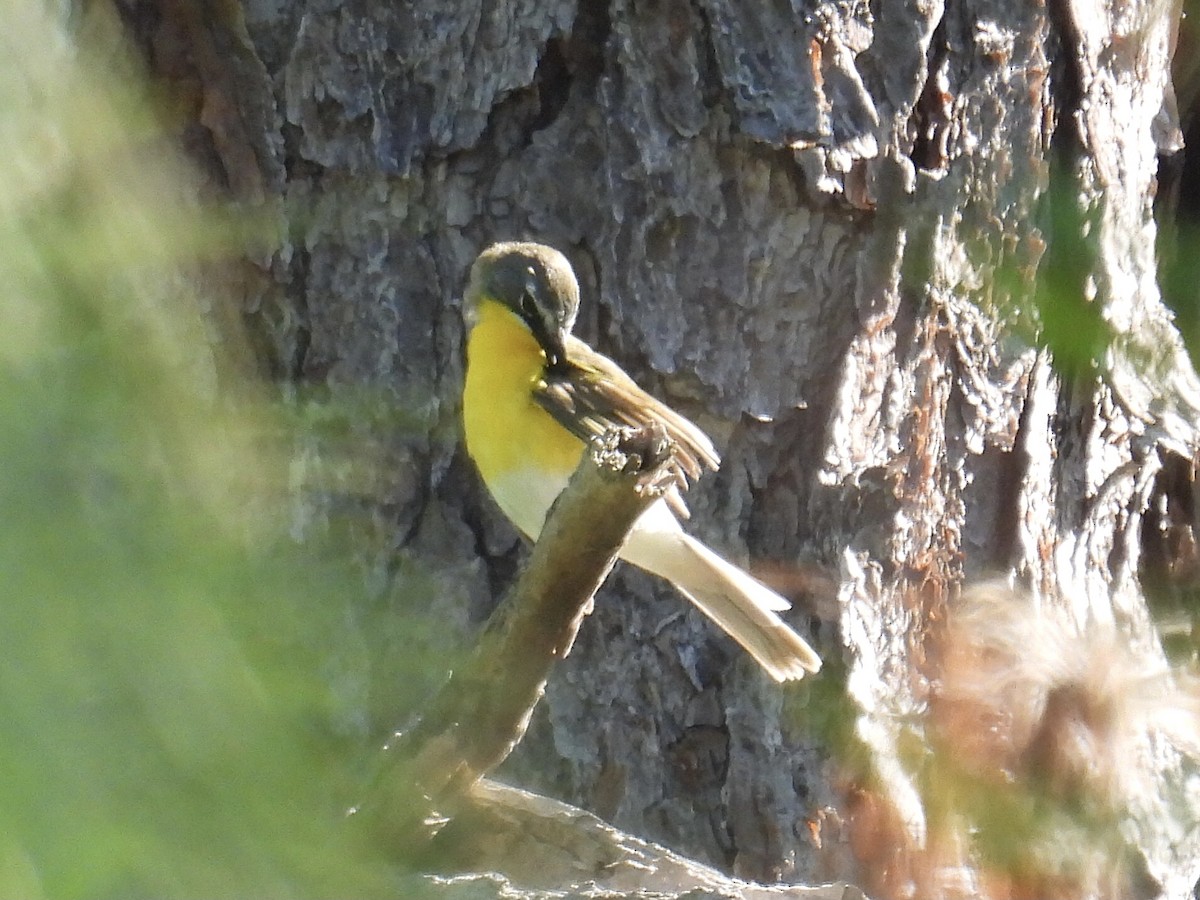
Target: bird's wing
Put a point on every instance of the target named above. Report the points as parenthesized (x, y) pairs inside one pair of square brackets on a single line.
[(589, 394)]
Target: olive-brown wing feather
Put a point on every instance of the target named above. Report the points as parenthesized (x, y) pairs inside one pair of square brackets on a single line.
[(589, 394)]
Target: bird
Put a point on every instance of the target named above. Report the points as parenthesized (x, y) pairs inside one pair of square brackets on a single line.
[(534, 396)]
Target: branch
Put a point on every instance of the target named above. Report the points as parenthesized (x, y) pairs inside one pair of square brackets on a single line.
[(481, 713), (529, 845)]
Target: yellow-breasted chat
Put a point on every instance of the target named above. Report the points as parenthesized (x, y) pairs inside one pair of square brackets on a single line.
[(534, 394)]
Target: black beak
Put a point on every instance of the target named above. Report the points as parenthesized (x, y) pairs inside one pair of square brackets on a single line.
[(551, 343), (556, 353), (548, 337)]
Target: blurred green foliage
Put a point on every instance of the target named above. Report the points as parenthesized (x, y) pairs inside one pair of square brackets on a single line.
[(163, 720), (163, 711)]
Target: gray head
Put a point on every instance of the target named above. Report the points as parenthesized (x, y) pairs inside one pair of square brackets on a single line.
[(536, 282)]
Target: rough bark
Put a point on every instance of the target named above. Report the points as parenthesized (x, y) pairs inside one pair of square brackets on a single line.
[(815, 228)]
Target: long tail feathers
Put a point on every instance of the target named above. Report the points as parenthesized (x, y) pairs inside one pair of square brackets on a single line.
[(743, 607)]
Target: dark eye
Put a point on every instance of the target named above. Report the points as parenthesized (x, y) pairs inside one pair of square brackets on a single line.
[(528, 306)]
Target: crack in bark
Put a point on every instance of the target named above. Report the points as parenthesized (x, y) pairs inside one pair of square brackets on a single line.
[(1067, 91), (930, 120)]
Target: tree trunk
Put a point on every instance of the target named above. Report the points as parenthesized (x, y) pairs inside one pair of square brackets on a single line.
[(824, 232)]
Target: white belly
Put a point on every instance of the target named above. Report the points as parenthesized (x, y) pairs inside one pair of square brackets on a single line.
[(526, 496)]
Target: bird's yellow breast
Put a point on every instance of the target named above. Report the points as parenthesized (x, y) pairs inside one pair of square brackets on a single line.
[(507, 431)]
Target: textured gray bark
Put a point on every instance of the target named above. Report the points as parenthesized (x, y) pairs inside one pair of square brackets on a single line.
[(809, 226)]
